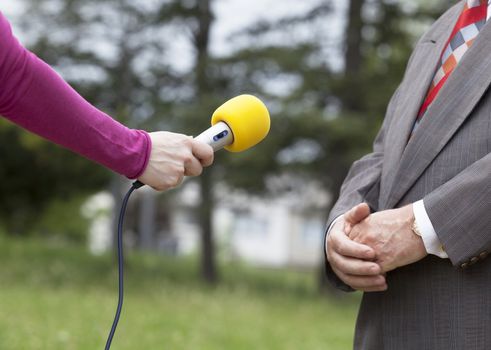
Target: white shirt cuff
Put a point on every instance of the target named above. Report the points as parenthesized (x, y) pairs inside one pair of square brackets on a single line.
[(430, 239), (333, 223)]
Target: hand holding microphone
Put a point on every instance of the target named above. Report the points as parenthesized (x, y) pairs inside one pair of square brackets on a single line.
[(172, 157), (237, 125)]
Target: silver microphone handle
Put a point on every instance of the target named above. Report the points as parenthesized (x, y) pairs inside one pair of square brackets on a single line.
[(217, 136)]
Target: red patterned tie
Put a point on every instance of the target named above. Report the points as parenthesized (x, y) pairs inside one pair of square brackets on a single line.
[(470, 22)]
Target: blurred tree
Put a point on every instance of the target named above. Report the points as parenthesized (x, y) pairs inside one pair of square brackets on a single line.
[(324, 117), (114, 53), (190, 111), (324, 112), (33, 174), (203, 83), (109, 53)]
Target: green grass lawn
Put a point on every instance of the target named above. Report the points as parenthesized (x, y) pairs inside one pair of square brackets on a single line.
[(59, 297)]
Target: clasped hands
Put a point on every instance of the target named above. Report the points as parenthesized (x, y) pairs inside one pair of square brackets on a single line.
[(362, 247)]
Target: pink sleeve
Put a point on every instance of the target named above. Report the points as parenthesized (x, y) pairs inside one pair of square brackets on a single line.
[(35, 97)]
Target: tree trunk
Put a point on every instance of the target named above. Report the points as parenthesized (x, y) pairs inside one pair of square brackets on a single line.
[(147, 218), (208, 266), (351, 97), (201, 41), (353, 56), (353, 38)]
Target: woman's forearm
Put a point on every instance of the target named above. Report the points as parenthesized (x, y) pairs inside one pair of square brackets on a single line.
[(35, 97)]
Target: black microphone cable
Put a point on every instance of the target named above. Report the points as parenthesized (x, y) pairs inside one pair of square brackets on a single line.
[(136, 185)]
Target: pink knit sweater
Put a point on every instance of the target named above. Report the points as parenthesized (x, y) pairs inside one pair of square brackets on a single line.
[(35, 97)]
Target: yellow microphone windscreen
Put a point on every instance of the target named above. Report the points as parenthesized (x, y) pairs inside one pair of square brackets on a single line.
[(247, 117)]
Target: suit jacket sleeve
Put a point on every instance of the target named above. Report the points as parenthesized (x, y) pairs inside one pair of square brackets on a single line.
[(460, 211), (361, 185)]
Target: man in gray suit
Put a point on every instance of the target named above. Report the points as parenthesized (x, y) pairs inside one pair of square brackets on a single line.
[(412, 226)]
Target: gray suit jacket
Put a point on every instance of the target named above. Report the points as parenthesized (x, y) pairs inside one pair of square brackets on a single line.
[(434, 303)]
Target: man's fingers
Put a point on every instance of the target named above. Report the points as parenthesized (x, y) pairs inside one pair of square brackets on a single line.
[(364, 283), (203, 152), (350, 261), (380, 288), (340, 243), (357, 214), (352, 266)]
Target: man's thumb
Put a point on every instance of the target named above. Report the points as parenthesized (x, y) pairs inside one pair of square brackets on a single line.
[(357, 214)]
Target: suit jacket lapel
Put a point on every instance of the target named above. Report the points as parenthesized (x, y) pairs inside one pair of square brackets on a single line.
[(418, 79), (457, 98)]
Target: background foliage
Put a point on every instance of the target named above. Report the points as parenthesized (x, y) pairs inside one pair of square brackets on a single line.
[(327, 99), (118, 54)]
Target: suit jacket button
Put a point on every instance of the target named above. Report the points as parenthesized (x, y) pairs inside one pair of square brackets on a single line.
[(484, 255), (464, 265), (474, 260)]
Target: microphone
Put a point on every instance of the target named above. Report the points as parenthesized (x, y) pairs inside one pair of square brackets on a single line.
[(237, 125)]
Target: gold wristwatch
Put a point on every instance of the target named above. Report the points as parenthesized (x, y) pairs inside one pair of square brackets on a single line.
[(415, 228)]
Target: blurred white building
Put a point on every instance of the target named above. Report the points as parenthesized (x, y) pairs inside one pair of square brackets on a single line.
[(281, 230), (284, 230)]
